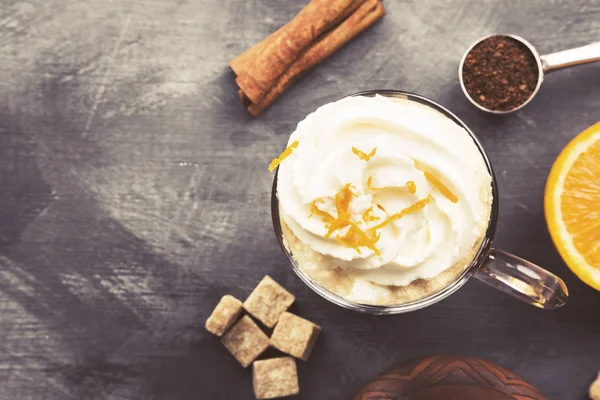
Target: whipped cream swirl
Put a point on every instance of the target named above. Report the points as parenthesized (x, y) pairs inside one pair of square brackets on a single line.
[(388, 150)]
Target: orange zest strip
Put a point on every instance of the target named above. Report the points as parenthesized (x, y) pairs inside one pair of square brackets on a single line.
[(342, 205), (349, 240), (435, 182), (356, 238), (285, 154), (375, 188), (314, 210), (367, 217), (412, 187), (408, 210), (364, 156)]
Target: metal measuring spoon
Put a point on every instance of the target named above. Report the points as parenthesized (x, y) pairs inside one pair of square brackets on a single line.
[(546, 63)]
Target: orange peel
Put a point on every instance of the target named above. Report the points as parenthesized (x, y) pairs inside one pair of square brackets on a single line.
[(342, 206), (367, 217), (443, 189), (285, 154), (364, 156), (375, 188), (357, 238), (419, 205), (315, 210)]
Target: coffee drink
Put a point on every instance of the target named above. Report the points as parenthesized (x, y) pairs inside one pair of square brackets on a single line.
[(383, 200)]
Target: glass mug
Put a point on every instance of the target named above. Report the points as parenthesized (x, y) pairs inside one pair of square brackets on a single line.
[(501, 270)]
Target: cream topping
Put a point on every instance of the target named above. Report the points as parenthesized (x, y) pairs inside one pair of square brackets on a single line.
[(388, 151)]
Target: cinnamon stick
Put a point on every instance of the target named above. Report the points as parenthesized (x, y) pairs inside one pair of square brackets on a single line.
[(367, 14), (243, 62), (243, 98), (278, 53)]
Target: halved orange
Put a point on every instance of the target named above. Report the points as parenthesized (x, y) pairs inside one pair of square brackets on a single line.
[(572, 205)]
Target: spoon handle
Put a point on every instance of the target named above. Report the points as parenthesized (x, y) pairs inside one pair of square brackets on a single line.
[(567, 58)]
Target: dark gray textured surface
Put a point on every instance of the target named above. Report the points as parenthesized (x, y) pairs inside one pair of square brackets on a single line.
[(134, 193)]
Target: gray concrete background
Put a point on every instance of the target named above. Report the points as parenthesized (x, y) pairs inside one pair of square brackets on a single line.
[(134, 193)]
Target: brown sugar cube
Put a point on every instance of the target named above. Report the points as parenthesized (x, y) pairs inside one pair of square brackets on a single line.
[(224, 315), (268, 301), (276, 377), (295, 336), (246, 341), (595, 389)]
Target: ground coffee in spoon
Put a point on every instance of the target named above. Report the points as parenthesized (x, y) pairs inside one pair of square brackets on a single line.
[(500, 73)]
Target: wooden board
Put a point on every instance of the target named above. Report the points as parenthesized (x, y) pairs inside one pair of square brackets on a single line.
[(443, 377)]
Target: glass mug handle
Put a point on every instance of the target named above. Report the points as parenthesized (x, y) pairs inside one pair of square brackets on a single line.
[(523, 280)]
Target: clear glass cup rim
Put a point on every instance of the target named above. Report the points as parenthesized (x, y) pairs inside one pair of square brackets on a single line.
[(480, 256)]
